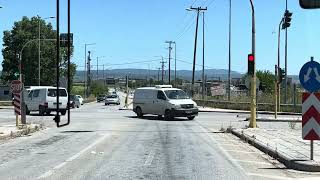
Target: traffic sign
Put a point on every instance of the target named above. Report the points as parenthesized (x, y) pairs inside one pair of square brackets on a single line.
[(309, 76), (311, 116), (16, 86)]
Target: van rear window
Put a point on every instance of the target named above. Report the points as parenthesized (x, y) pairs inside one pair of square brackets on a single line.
[(53, 93)]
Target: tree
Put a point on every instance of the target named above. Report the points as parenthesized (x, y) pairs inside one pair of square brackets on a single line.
[(25, 31), (267, 80), (98, 88)]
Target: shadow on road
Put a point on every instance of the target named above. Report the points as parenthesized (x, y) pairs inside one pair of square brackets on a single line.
[(41, 115), (79, 131), (156, 118)]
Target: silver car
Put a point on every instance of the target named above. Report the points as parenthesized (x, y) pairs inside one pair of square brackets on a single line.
[(112, 99)]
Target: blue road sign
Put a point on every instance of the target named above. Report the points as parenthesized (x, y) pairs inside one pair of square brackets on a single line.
[(309, 76)]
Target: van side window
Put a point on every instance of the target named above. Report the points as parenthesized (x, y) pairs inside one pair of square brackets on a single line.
[(36, 93), (160, 95), (30, 94)]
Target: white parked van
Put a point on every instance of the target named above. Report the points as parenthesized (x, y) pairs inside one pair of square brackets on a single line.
[(44, 100), (164, 100)]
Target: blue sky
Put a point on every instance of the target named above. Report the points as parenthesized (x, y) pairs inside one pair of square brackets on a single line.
[(129, 31)]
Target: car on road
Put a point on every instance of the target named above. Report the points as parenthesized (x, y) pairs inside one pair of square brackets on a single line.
[(112, 99), (44, 100), (163, 100), (74, 101), (101, 97), (80, 99)]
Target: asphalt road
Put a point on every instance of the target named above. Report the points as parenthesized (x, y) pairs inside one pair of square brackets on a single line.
[(103, 142)]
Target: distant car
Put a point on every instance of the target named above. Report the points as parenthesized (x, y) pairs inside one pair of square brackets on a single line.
[(80, 99), (112, 99), (74, 101), (101, 97)]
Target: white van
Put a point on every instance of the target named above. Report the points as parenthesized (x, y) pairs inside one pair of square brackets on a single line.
[(44, 100), (164, 100)]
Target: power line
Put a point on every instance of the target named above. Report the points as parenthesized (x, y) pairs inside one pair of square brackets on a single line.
[(186, 28)]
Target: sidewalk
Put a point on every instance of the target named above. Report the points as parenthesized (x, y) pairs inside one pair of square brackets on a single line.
[(11, 131), (285, 145)]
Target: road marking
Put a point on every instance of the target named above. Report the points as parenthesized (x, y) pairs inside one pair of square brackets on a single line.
[(222, 150), (150, 158), (246, 152), (268, 176), (253, 162), (50, 172)]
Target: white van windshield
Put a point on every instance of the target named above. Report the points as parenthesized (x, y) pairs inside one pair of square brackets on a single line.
[(176, 94), (53, 93)]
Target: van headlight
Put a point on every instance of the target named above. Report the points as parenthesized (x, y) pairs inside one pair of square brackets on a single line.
[(176, 106)]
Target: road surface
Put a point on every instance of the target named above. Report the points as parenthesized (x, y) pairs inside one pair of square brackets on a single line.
[(103, 142)]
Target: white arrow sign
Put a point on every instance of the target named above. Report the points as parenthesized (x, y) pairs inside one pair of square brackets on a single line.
[(317, 74), (306, 76)]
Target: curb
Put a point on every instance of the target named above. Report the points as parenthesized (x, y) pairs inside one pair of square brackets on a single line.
[(296, 164), (22, 132)]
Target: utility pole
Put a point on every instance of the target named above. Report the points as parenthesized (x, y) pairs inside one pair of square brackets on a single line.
[(203, 80), (175, 63), (85, 68), (170, 48), (97, 68), (162, 68), (253, 123), (278, 66), (89, 74), (286, 61), (159, 74), (229, 67), (198, 9)]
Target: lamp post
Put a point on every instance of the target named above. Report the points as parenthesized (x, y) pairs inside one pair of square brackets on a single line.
[(85, 68), (39, 55)]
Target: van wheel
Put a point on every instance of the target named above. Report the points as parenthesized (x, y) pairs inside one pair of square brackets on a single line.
[(27, 111), (191, 117), (139, 112), (41, 110), (48, 112), (168, 115), (160, 117), (63, 112)]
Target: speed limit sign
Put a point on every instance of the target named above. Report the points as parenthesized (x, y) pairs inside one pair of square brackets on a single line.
[(16, 86)]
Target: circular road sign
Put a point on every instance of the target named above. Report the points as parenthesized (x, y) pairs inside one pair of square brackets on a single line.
[(309, 76)]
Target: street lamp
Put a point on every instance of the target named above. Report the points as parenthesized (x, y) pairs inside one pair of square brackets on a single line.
[(85, 67), (39, 74)]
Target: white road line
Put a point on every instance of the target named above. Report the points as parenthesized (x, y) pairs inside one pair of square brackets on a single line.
[(150, 158), (245, 152), (268, 176), (226, 154), (50, 172), (253, 162)]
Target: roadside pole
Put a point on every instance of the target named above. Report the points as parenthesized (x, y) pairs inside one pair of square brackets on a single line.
[(275, 93), (126, 100), (253, 123)]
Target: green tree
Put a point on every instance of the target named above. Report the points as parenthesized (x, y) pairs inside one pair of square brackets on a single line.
[(98, 88), (25, 31), (267, 80)]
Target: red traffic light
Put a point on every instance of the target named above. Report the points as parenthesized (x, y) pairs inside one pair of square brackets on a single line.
[(251, 57)]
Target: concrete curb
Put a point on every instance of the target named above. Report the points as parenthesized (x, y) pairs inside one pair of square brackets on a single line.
[(22, 132), (297, 164)]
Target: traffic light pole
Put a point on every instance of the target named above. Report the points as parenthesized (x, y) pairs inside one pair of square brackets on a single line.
[(278, 66), (253, 123), (286, 62)]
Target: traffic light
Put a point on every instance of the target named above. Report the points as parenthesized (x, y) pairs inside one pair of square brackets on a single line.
[(281, 75), (287, 19), (251, 64)]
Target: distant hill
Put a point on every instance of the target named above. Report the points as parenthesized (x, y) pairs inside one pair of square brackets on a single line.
[(144, 73)]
